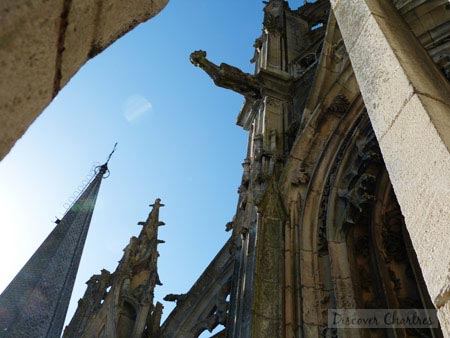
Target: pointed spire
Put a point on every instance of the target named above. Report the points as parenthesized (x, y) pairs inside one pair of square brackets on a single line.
[(132, 291), (35, 303)]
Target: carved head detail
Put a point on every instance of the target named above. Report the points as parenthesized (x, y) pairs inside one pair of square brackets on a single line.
[(303, 176), (197, 56)]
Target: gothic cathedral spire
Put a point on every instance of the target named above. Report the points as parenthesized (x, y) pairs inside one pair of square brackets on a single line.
[(35, 303)]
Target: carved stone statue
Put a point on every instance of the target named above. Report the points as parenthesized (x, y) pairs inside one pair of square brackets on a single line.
[(227, 76)]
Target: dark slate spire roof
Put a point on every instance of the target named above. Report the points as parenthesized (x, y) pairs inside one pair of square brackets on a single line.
[(35, 302)]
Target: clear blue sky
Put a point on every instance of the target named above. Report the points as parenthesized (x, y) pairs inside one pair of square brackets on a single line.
[(177, 141)]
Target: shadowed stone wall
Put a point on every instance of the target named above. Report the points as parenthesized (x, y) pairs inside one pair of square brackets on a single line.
[(43, 43)]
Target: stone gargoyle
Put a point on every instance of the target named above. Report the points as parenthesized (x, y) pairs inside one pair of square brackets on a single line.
[(227, 76), (171, 297)]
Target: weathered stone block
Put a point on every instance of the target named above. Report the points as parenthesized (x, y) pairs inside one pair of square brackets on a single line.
[(269, 263), (311, 330), (28, 38), (416, 63), (311, 310), (268, 303), (340, 267), (308, 262), (418, 162), (384, 84), (345, 298), (266, 328), (83, 20)]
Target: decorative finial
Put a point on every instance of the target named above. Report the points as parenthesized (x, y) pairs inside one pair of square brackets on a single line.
[(104, 168), (157, 203), (112, 152)]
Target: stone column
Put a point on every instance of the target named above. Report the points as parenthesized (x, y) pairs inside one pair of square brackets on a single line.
[(408, 101)]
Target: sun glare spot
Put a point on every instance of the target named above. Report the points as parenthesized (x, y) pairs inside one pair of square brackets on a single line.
[(135, 107)]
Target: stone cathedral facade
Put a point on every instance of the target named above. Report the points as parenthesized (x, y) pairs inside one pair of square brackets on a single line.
[(339, 207)]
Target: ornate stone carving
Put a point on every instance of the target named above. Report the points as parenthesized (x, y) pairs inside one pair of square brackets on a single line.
[(227, 76), (322, 231), (218, 314), (339, 106), (273, 103), (242, 192), (132, 287), (359, 196), (259, 168), (338, 51), (91, 302), (258, 44), (258, 47), (244, 232), (96, 291), (301, 178), (362, 193), (272, 23)]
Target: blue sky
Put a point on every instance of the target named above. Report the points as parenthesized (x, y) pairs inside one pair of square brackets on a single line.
[(177, 141)]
